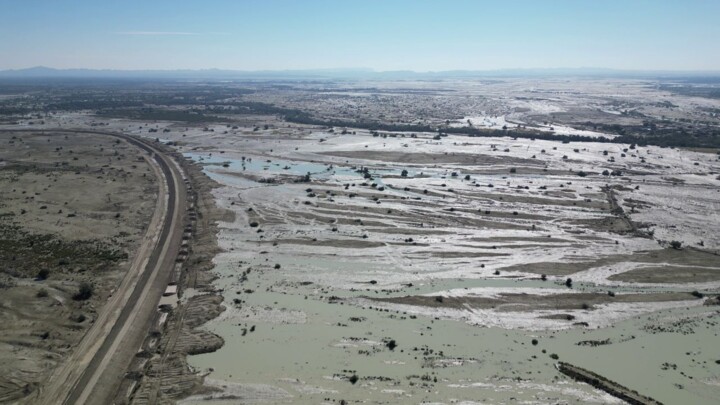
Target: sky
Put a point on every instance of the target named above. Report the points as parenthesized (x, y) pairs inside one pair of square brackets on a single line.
[(419, 35)]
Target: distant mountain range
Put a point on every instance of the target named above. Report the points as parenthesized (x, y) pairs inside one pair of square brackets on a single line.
[(41, 72)]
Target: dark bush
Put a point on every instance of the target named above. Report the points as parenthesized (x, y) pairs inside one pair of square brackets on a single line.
[(85, 291), (43, 274)]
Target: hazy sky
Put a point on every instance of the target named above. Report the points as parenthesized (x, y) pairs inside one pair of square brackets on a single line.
[(384, 35)]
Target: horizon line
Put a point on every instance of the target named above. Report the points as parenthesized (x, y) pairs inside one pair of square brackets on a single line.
[(359, 69)]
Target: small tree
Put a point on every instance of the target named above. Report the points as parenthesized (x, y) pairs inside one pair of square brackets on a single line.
[(43, 274), (85, 291), (676, 244)]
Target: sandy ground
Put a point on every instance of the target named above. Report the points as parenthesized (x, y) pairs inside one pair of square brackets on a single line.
[(76, 206)]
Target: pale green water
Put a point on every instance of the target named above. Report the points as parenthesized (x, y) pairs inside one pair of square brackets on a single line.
[(493, 357)]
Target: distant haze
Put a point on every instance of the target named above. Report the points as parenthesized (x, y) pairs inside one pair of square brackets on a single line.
[(40, 73), (402, 35)]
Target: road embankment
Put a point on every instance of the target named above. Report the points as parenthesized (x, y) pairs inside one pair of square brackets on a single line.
[(602, 383)]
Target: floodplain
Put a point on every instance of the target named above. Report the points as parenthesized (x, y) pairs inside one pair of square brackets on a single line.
[(481, 260)]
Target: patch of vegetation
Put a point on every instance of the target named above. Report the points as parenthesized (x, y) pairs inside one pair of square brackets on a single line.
[(22, 253), (692, 90), (154, 114)]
